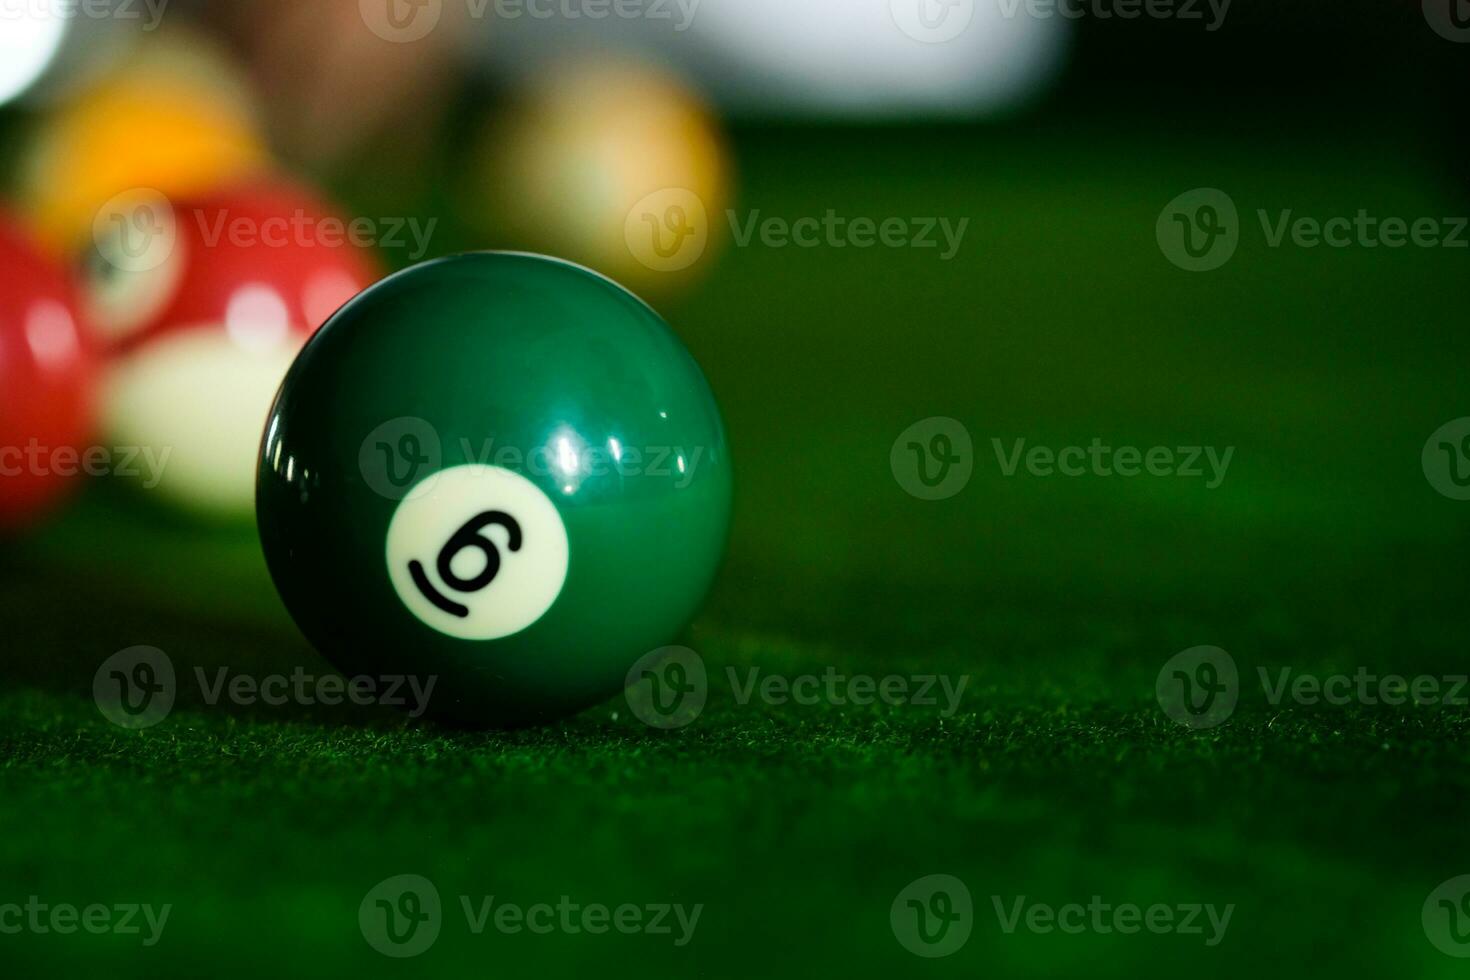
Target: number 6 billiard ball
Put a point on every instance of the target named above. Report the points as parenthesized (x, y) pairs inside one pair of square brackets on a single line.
[(503, 471)]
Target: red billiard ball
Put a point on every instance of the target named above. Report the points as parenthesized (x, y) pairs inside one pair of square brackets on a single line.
[(203, 305), (48, 377)]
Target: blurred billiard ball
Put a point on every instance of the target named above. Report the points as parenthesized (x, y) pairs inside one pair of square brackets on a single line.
[(203, 305), (615, 165), (48, 376), (500, 470), (176, 117)]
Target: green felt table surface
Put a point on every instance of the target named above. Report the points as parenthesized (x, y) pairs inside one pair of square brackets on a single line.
[(1058, 599)]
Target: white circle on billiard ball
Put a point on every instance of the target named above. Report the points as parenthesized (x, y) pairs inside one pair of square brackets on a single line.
[(137, 264), (482, 555)]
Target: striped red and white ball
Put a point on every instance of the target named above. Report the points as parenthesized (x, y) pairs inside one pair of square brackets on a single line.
[(203, 305), (48, 376)]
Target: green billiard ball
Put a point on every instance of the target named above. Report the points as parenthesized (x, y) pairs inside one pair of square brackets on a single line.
[(503, 471)]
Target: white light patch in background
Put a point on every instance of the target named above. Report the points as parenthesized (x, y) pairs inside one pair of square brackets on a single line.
[(51, 334), (881, 57), (853, 58), (256, 318), (30, 37), (93, 44)]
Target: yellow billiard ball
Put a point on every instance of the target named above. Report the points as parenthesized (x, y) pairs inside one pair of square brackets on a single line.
[(618, 167), (176, 117)]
